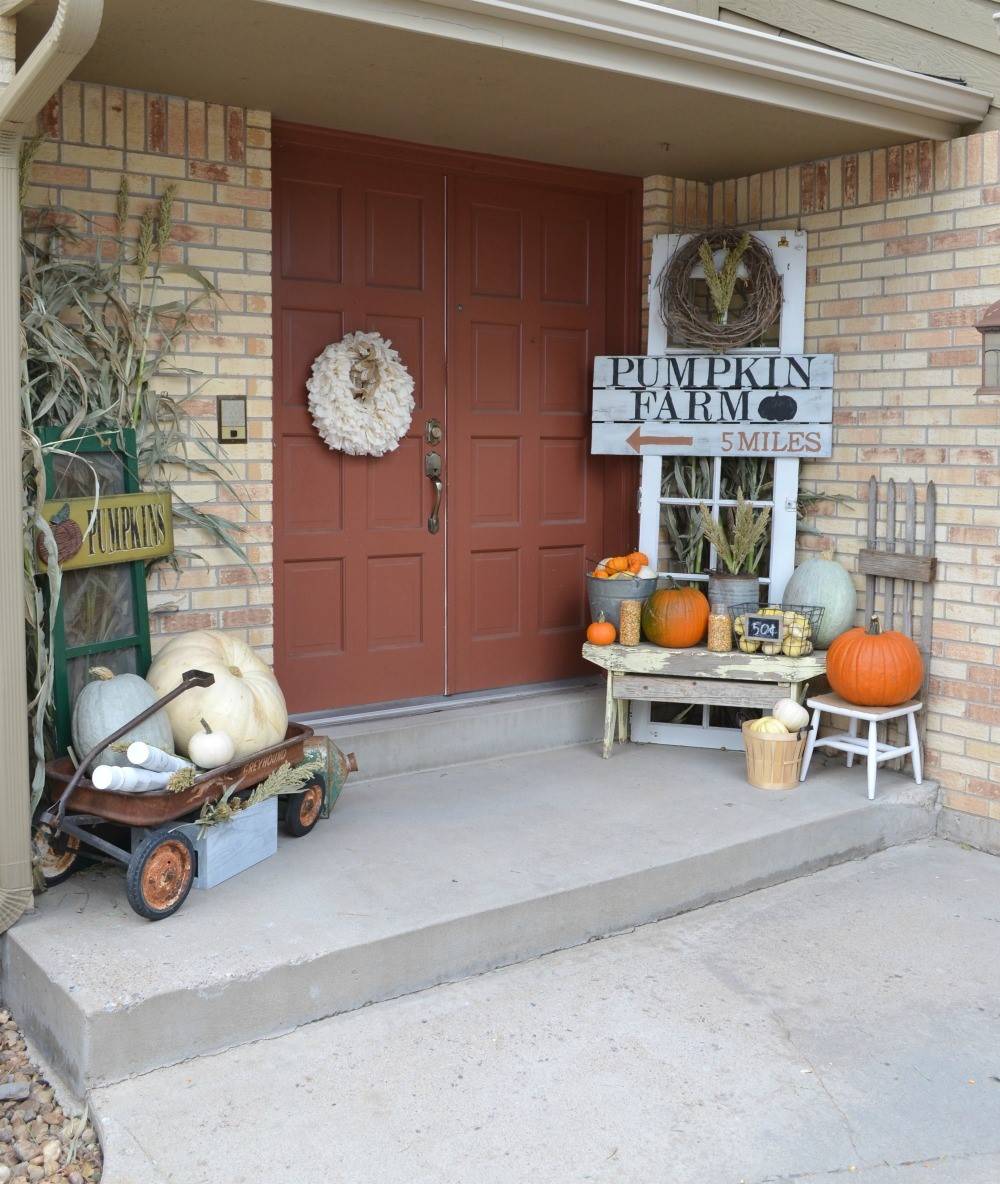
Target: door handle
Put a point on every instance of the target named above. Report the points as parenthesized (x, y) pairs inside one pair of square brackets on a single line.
[(432, 470)]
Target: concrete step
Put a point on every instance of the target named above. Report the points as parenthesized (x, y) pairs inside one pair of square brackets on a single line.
[(791, 1035), (420, 879), (450, 732)]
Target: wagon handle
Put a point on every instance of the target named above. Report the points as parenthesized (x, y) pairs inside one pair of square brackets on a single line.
[(189, 679)]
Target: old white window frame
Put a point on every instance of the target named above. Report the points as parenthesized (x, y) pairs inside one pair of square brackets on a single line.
[(789, 250)]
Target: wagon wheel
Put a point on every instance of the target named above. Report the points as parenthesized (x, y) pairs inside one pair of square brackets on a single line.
[(160, 874), (57, 857), (302, 810)]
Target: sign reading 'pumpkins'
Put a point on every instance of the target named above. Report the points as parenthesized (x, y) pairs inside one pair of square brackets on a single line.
[(121, 528), (778, 405)]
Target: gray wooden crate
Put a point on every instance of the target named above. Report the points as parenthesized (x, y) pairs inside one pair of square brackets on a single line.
[(230, 847)]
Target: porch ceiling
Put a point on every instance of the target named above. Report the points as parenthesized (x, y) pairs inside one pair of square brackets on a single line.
[(464, 85)]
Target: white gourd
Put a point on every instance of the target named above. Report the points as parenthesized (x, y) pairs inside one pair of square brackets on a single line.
[(105, 704), (793, 715), (767, 725), (245, 698)]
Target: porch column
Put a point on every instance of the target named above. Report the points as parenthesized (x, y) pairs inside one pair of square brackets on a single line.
[(74, 28)]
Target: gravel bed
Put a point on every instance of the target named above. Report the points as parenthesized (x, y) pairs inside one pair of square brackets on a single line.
[(39, 1141)]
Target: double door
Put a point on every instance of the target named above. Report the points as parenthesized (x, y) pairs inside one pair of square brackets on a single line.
[(455, 562)]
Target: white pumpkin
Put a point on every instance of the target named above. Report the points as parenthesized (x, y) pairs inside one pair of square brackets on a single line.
[(767, 725), (109, 701), (245, 698), (210, 749), (793, 715)]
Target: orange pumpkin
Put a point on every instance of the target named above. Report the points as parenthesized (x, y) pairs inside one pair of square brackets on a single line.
[(675, 617), (601, 632), (874, 669)]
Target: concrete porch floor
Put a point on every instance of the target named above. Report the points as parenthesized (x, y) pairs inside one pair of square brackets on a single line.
[(840, 1027), (420, 879)]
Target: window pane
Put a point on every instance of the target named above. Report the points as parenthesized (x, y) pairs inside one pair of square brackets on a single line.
[(700, 298), (682, 542), (75, 474), (97, 604), (731, 717), (676, 713), (688, 477), (754, 475), (119, 661)]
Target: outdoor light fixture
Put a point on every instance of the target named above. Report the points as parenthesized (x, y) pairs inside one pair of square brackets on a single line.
[(989, 326)]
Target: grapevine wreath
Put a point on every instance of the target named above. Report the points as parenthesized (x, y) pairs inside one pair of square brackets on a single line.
[(361, 395), (748, 264)]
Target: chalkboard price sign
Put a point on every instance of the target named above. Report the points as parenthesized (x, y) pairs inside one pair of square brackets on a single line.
[(764, 628)]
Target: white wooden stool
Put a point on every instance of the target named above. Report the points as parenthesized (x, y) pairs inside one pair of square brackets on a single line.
[(869, 747)]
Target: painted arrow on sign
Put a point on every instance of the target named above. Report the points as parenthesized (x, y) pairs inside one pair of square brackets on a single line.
[(637, 439)]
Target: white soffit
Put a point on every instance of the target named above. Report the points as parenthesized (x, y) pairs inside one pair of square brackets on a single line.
[(646, 40)]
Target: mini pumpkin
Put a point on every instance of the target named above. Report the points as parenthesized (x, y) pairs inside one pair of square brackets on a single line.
[(675, 617), (874, 669), (601, 632)]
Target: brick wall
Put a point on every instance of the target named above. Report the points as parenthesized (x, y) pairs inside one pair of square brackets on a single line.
[(219, 159), (904, 256)]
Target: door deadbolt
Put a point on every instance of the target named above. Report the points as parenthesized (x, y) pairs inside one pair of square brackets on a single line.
[(433, 432)]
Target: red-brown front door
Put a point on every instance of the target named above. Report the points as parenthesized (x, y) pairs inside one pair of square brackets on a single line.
[(541, 276), (527, 298), (360, 581)]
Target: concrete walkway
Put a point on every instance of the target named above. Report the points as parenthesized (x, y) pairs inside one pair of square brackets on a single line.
[(844, 1026)]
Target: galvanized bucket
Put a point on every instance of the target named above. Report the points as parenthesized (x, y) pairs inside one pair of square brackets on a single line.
[(606, 596), (730, 590)]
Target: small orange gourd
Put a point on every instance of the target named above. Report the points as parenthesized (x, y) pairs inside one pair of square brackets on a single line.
[(599, 573), (601, 632), (617, 563), (874, 669)]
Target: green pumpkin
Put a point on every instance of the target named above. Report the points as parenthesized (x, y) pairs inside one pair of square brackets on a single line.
[(823, 583), (110, 701)]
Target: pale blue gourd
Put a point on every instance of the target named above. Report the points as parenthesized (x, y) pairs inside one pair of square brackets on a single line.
[(824, 584), (105, 704)]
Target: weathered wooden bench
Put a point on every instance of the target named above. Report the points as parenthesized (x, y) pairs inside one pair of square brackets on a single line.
[(657, 675)]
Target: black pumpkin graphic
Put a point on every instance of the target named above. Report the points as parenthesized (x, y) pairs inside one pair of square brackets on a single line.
[(778, 408)]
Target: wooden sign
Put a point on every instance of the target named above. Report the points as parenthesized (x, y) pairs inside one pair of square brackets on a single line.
[(120, 528), (778, 405)]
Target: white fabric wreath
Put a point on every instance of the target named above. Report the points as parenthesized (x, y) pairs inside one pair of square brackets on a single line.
[(361, 395)]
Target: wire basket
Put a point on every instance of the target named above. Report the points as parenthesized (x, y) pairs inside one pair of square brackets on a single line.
[(800, 623)]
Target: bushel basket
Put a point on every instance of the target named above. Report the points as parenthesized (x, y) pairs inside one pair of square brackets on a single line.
[(773, 762)]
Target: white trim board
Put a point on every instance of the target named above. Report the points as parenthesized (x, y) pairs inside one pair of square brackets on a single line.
[(649, 41)]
